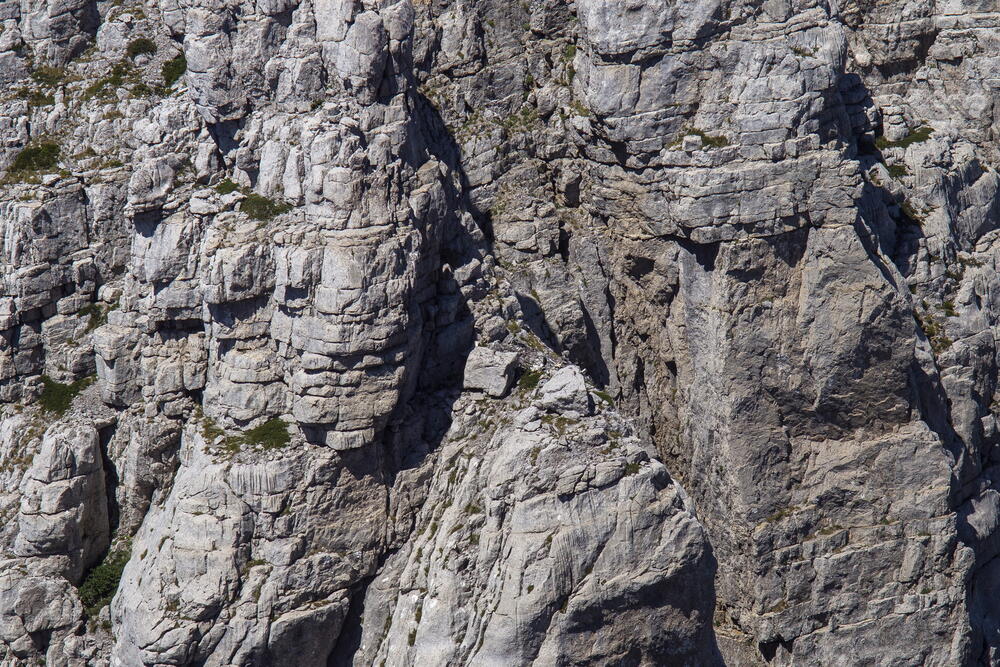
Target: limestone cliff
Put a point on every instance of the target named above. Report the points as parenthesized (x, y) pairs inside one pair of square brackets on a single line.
[(457, 332)]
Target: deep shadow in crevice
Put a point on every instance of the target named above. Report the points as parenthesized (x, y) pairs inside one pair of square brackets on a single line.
[(224, 135), (111, 478), (535, 320), (433, 384), (704, 253)]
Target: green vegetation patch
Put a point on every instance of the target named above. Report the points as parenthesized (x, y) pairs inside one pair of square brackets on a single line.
[(141, 90), (714, 141), (41, 156), (107, 86), (605, 396), (209, 429), (102, 581), (48, 76), (934, 331), (529, 380), (898, 170), (272, 434), (919, 135), (58, 397), (98, 316), (261, 208), (523, 120), (36, 98), (226, 187), (141, 46), (173, 70)]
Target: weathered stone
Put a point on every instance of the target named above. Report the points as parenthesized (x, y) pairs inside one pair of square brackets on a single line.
[(490, 371)]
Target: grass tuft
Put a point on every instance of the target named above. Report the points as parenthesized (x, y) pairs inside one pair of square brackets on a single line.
[(141, 46), (48, 76), (226, 187), (173, 70), (98, 316), (101, 582), (261, 208), (58, 397), (529, 380), (272, 434), (37, 157), (708, 139), (107, 86), (921, 134)]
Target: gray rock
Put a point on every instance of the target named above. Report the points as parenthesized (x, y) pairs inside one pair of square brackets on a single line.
[(768, 233), (63, 508), (566, 393), (490, 371)]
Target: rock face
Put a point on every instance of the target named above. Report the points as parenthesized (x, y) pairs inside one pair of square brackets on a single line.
[(479, 333), (536, 527), (64, 509)]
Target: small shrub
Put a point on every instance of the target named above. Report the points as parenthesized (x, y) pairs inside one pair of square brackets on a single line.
[(934, 331), (898, 170), (919, 135), (272, 434), (141, 90), (141, 46), (226, 187), (58, 397), (105, 87), (529, 380), (36, 157), (173, 70), (98, 316), (48, 76), (101, 582), (261, 208)]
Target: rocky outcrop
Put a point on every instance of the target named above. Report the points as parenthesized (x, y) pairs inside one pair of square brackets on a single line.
[(477, 333), (553, 540), (64, 510)]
